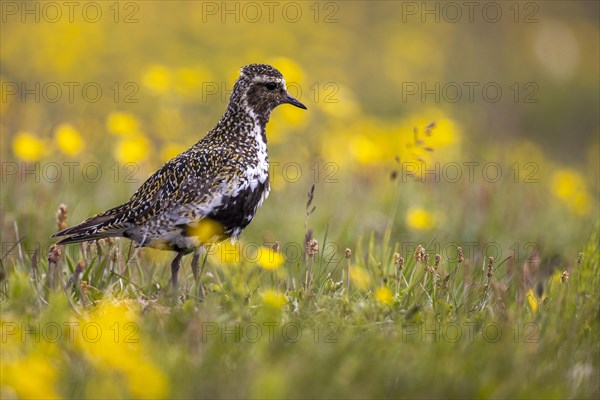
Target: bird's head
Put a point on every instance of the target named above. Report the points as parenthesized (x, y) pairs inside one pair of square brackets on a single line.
[(261, 88)]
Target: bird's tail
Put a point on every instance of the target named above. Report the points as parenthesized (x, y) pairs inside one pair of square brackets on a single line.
[(107, 224), (87, 237)]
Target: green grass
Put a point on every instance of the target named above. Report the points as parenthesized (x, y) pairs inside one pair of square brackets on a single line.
[(449, 331)]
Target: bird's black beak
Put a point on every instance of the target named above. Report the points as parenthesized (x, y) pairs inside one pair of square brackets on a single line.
[(293, 101)]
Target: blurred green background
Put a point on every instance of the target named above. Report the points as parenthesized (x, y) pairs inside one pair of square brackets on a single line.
[(512, 88), (444, 124)]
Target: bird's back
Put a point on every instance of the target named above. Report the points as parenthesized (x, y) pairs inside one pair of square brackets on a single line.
[(221, 178)]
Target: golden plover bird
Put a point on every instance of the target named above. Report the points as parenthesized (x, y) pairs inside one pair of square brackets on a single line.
[(211, 191)]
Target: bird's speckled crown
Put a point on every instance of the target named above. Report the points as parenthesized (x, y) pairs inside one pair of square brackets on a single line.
[(260, 70)]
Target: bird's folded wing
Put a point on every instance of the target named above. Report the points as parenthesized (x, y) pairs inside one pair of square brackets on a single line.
[(194, 180)]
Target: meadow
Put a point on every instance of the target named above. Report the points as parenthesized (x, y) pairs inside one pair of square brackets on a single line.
[(432, 230)]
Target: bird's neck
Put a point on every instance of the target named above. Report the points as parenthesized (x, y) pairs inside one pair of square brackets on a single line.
[(240, 126), (243, 121)]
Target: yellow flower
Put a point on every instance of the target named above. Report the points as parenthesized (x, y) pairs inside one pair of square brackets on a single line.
[(269, 259), (189, 81), (28, 147), (171, 150), (419, 219), (532, 300), (292, 71), (444, 134), (157, 78), (146, 381), (122, 124), (384, 296), (360, 278), (284, 120), (109, 337), (68, 139), (108, 333), (272, 299), (133, 149), (31, 377), (443, 139), (366, 150), (569, 187), (207, 231)]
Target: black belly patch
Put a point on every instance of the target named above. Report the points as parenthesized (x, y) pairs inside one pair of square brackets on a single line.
[(237, 212)]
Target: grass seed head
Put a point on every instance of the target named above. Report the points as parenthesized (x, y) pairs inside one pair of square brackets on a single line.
[(446, 282), (348, 253), (419, 253), (398, 261), (490, 267), (312, 247), (564, 277), (54, 254), (459, 255), (61, 217), (438, 258), (79, 267)]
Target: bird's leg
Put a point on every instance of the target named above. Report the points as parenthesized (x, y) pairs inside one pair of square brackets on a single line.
[(196, 272), (196, 265), (174, 270)]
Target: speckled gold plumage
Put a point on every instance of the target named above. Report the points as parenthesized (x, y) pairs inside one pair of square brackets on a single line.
[(224, 177)]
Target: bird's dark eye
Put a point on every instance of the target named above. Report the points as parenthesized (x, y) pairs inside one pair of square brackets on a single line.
[(271, 85)]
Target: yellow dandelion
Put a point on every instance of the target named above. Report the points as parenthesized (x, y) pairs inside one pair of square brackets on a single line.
[(532, 300), (97, 343), (18, 375), (146, 381), (157, 78), (122, 124), (284, 120), (133, 149), (109, 337), (360, 278), (444, 139), (384, 296), (207, 231), (269, 259), (569, 186), (366, 150), (566, 183), (68, 139), (188, 81), (272, 299), (419, 219), (444, 134), (28, 147), (292, 71), (171, 150)]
